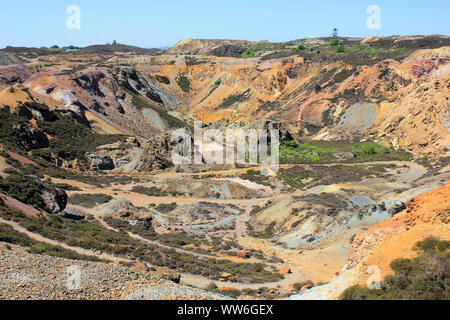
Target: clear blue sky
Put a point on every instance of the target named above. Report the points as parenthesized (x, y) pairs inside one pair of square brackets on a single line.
[(150, 23)]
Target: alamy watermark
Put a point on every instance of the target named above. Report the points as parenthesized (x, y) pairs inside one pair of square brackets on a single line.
[(73, 281), (374, 281), (74, 20), (374, 20), (229, 146)]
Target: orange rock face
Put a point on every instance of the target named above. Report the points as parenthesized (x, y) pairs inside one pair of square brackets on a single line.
[(427, 215)]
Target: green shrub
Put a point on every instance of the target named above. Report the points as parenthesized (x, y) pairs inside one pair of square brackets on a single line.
[(422, 278), (24, 188), (73, 140), (335, 42), (184, 83), (217, 84), (368, 149), (89, 200), (249, 53), (166, 208), (152, 192), (299, 48)]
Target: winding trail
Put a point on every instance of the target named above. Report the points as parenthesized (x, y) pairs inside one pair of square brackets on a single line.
[(81, 251)]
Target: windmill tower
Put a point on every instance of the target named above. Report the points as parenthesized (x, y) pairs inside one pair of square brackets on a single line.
[(335, 33)]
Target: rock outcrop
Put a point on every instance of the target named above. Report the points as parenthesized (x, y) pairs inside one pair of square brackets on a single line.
[(30, 137), (55, 199)]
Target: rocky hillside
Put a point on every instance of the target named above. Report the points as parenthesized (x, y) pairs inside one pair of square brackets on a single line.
[(426, 217), (317, 88)]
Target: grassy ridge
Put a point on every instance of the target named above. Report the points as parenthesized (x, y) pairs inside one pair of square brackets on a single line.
[(292, 152)]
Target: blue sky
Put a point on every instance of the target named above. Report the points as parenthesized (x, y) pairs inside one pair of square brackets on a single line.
[(149, 23)]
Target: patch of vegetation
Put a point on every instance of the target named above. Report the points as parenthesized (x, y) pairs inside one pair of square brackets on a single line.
[(9, 235), (66, 187), (232, 293), (343, 75), (335, 42), (152, 192), (256, 176), (47, 167), (298, 177), (422, 278), (431, 245), (373, 51), (89, 200), (294, 176), (166, 208), (184, 83), (28, 188), (178, 239), (193, 61), (270, 46), (72, 140), (350, 95), (141, 228), (7, 135), (249, 53), (255, 210), (267, 233), (340, 49), (299, 285), (234, 98), (278, 55), (23, 188), (433, 166), (292, 152), (299, 48), (216, 84)]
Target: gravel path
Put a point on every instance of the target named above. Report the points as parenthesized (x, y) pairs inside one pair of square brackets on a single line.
[(28, 276)]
